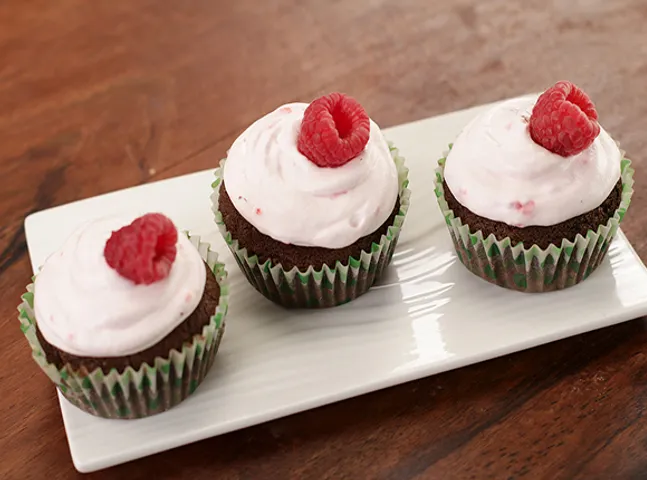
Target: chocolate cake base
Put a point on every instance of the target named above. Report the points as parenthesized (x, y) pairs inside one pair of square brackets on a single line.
[(538, 235), (184, 332), (292, 255)]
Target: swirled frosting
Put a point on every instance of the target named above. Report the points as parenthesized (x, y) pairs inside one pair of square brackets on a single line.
[(498, 172), (86, 308), (292, 200)]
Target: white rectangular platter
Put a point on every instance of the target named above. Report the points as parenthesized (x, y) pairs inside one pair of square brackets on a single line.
[(428, 315)]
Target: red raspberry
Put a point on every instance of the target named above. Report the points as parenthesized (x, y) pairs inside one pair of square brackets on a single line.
[(334, 130), (564, 120), (143, 251)]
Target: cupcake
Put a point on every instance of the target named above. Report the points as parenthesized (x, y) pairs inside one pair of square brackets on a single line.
[(126, 319), (533, 191), (311, 200)]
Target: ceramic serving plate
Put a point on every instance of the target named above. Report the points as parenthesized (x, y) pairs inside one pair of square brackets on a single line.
[(428, 315)]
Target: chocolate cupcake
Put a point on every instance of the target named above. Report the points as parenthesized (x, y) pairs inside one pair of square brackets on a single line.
[(310, 200), (533, 191), (127, 321)]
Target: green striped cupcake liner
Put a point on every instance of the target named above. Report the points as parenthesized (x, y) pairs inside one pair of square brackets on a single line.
[(328, 286), (150, 389), (533, 269)]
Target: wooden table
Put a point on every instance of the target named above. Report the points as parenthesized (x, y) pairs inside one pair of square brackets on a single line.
[(97, 96)]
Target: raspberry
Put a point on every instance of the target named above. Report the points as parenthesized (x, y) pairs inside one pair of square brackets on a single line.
[(143, 251), (564, 120), (334, 130)]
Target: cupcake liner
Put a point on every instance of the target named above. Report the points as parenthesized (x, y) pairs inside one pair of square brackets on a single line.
[(533, 269), (330, 285), (150, 389)]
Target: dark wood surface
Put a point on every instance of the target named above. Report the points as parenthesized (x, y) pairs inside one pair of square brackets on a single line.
[(98, 95)]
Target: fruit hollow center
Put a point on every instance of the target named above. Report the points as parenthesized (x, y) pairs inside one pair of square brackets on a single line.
[(343, 121), (578, 99), (160, 249)]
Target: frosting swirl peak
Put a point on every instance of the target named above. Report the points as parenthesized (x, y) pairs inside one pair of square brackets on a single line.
[(498, 172), (84, 307), (292, 200)]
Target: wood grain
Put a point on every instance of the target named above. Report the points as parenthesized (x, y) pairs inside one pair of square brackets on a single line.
[(97, 96)]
